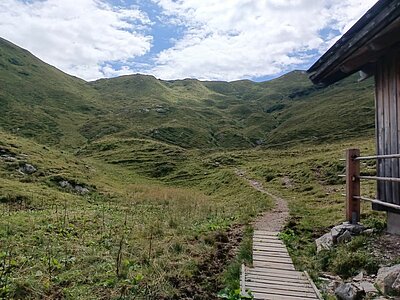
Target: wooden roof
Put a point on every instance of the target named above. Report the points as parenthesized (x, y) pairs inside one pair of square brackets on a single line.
[(376, 33)]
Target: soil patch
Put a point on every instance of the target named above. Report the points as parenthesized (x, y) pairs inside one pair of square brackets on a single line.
[(206, 282), (386, 247)]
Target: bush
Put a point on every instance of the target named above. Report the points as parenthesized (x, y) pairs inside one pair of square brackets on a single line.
[(347, 263)]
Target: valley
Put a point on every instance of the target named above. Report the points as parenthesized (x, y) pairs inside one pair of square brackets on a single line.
[(135, 193)]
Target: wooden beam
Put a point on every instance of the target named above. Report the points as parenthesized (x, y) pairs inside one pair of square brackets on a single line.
[(352, 186)]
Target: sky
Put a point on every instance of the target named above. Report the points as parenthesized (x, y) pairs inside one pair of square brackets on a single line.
[(175, 39)]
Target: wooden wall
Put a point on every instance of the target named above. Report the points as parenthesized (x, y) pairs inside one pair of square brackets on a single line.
[(387, 101)]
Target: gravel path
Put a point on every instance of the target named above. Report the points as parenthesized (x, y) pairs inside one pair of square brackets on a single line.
[(272, 220)]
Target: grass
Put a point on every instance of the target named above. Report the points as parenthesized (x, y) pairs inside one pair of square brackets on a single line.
[(158, 159), (132, 235), (40, 102)]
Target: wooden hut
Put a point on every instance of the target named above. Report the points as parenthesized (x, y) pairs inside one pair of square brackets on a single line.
[(372, 46)]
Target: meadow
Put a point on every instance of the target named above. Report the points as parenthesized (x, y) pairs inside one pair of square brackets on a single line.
[(158, 221), (127, 188)]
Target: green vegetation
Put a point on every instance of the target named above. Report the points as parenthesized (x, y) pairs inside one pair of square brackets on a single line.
[(134, 192), (40, 102)]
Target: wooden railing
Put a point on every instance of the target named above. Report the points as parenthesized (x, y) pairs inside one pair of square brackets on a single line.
[(353, 179)]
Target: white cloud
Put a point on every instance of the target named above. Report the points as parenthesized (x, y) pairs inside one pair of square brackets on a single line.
[(222, 40), (237, 39), (77, 36)]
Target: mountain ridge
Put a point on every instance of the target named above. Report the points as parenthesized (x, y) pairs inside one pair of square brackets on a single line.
[(42, 102)]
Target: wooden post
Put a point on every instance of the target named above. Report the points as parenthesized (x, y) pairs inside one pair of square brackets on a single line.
[(352, 186)]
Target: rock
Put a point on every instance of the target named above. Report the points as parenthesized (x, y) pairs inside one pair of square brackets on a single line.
[(65, 184), (349, 291), (27, 169), (359, 277), (388, 279), (369, 231), (161, 110), (325, 242), (345, 237), (368, 287), (81, 190), (335, 232)]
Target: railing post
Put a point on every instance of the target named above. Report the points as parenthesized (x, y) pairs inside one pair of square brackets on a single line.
[(352, 186)]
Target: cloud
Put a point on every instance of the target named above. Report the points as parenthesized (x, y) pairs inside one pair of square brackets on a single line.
[(211, 40), (228, 40), (77, 36)]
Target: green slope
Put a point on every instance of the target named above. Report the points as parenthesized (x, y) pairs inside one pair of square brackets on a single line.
[(39, 101)]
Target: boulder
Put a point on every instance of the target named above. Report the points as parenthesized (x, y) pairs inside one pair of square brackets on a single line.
[(368, 287), (81, 190), (65, 184), (325, 242), (27, 169), (349, 291), (344, 237), (388, 279), (339, 230), (359, 277)]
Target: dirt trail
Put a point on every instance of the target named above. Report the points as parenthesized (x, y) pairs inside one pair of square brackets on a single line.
[(272, 220)]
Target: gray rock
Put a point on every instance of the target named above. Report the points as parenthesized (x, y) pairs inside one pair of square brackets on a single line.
[(65, 184), (369, 231), (161, 110), (368, 287), (336, 232), (388, 279), (359, 277), (27, 169), (81, 190), (325, 242), (349, 291), (345, 237)]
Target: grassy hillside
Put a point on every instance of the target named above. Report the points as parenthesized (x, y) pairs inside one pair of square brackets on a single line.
[(39, 101), (136, 230), (127, 188)]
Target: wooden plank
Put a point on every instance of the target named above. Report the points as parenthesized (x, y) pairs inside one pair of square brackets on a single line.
[(319, 296), (243, 280), (266, 233), (278, 274), (379, 129), (397, 97), (394, 125), (266, 244), (305, 295), (276, 280), (264, 240), (352, 186), (285, 288), (270, 248), (274, 265), (271, 254), (269, 237), (286, 260), (272, 260), (268, 296), (386, 125)]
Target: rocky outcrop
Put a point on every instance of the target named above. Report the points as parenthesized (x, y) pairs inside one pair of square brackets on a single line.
[(342, 233), (388, 279), (27, 169), (358, 287), (349, 291), (65, 184)]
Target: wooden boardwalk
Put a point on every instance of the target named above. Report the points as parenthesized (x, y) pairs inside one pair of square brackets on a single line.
[(273, 275)]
